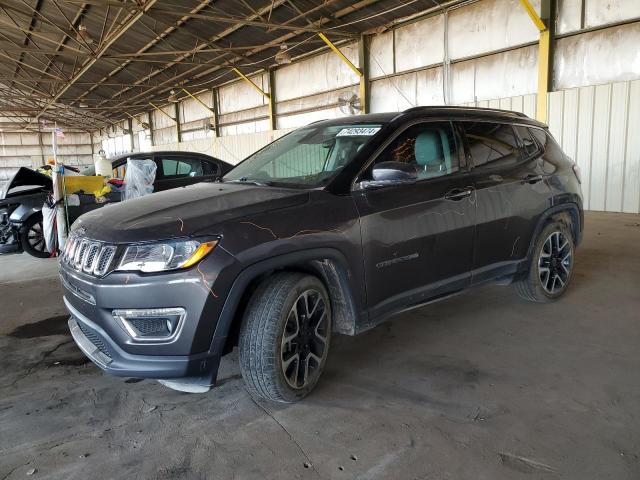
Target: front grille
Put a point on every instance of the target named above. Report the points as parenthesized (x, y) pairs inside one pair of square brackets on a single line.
[(95, 339), (88, 256)]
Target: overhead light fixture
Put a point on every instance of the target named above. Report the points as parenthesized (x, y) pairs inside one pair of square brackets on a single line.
[(83, 35), (283, 57), (173, 97)]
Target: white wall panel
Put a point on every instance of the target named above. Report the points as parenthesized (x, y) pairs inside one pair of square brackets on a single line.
[(617, 145), (420, 44), (489, 25), (585, 138), (305, 118), (241, 95), (604, 56), (381, 55), (501, 75), (569, 15), (631, 183), (317, 74), (600, 148), (602, 12), (597, 127), (191, 109)]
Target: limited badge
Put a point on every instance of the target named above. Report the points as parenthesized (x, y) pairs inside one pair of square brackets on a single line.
[(358, 132)]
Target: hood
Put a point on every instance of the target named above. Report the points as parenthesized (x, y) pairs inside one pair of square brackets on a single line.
[(179, 212), (27, 178)]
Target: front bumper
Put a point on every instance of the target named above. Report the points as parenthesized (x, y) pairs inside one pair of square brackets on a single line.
[(106, 354), (191, 356)]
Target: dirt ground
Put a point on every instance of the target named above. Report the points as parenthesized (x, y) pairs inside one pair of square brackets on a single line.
[(480, 386)]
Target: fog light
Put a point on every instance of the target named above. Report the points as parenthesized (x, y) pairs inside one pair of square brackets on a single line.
[(151, 325)]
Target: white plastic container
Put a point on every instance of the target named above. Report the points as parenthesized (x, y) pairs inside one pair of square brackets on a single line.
[(103, 166)]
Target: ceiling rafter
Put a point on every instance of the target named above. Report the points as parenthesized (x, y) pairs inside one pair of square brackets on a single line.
[(165, 33), (129, 21), (278, 41)]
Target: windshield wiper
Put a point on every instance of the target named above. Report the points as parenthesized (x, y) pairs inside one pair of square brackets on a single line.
[(246, 180)]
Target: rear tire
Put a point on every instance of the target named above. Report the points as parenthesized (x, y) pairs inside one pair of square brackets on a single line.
[(550, 265), (32, 237), (285, 337)]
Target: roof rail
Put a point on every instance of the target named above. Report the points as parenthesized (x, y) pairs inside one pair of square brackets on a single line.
[(458, 107)]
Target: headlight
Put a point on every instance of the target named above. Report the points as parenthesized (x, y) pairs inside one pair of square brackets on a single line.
[(159, 257)]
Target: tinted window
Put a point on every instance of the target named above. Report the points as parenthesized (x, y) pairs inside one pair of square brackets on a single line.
[(209, 168), (430, 147), (181, 166), (528, 146), (491, 145), (553, 154)]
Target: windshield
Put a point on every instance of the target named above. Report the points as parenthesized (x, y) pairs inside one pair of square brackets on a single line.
[(309, 157)]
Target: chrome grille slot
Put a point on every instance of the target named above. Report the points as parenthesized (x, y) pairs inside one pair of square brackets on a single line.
[(90, 257), (81, 251), (104, 260)]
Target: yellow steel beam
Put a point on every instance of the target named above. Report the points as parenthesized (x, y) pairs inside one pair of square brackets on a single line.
[(246, 79), (544, 49), (162, 111), (535, 18), (337, 51), (198, 100)]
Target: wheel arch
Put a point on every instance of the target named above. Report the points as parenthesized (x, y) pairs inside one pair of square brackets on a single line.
[(328, 264), (569, 213)]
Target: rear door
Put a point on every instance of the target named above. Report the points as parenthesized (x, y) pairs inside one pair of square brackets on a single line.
[(176, 170), (511, 194), (418, 238)]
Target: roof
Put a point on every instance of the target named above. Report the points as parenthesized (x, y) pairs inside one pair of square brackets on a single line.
[(85, 62), (437, 111)]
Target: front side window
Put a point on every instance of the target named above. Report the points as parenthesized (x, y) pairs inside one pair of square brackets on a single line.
[(491, 145), (432, 148), (181, 167), (309, 157)]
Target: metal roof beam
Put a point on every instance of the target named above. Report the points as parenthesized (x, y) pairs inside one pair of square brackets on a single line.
[(131, 19)]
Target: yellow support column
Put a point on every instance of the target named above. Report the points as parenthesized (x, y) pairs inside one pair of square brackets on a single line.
[(544, 52)]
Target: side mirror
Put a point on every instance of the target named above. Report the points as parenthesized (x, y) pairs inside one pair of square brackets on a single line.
[(390, 173)]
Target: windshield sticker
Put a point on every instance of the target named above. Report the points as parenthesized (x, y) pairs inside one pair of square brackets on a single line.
[(358, 132)]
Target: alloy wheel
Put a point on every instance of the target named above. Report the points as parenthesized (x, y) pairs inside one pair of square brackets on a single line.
[(304, 339), (555, 262), (35, 236)]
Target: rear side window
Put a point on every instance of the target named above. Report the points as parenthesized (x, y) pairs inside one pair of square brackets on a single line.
[(554, 157), (491, 145), (528, 146), (181, 167), (431, 147)]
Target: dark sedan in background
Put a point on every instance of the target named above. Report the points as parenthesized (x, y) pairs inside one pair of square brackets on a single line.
[(22, 196)]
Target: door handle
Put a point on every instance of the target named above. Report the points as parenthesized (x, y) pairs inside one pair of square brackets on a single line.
[(531, 179), (458, 194)]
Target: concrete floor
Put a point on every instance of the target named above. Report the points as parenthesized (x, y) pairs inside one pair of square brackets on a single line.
[(481, 386)]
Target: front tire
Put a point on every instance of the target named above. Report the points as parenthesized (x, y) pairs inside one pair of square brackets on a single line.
[(550, 265), (32, 237), (285, 337)]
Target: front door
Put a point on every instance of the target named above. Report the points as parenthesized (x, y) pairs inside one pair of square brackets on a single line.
[(418, 238)]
